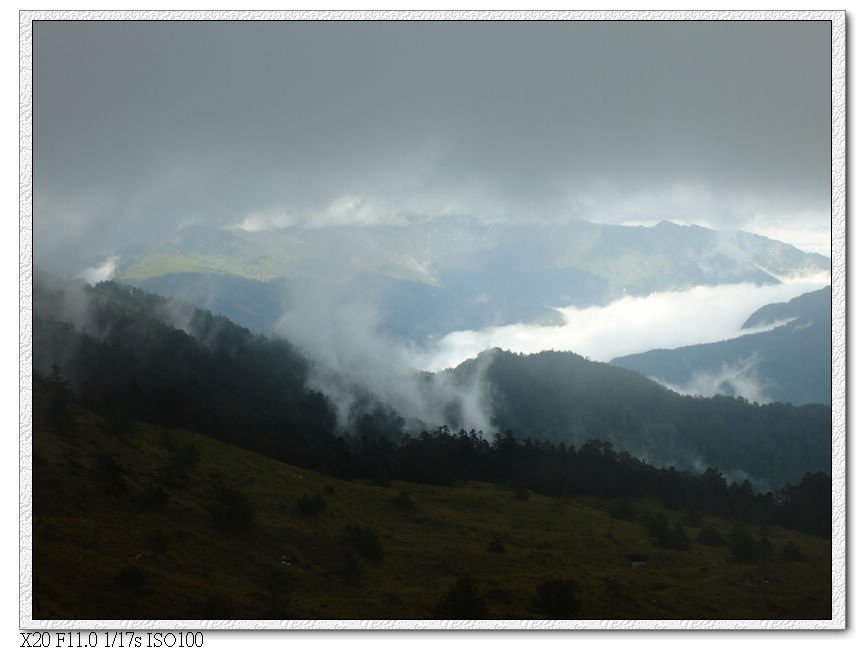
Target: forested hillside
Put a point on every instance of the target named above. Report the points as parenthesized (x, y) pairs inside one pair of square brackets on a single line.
[(127, 356), (140, 356), (262, 507), (563, 396)]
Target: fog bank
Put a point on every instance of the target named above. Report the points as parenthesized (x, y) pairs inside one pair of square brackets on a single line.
[(666, 319)]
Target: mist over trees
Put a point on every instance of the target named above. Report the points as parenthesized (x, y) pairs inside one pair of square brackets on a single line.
[(789, 363), (126, 355), (563, 396), (124, 350)]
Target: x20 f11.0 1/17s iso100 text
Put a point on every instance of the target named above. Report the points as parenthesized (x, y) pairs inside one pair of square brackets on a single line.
[(112, 639)]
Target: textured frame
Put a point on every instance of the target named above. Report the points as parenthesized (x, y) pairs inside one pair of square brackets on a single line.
[(839, 331)]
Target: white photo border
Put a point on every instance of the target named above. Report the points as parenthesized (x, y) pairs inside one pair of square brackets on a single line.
[(839, 320)]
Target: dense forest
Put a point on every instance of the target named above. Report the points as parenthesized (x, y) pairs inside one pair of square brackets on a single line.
[(128, 357), (444, 458), (562, 396)]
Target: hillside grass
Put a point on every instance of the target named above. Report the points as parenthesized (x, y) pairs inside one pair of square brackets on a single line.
[(102, 550), (164, 263)]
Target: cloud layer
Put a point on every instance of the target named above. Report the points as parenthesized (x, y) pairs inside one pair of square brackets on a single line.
[(139, 127)]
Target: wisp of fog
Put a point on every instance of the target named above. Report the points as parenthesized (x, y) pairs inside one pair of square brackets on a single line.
[(352, 358)]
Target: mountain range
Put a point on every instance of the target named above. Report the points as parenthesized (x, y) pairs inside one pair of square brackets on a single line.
[(449, 274), (129, 352)]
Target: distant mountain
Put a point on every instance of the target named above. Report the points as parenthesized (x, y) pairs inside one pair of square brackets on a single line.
[(411, 310), (250, 303), (805, 308), (563, 396), (789, 363), (435, 277)]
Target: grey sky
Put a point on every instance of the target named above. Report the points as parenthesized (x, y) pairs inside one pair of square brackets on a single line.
[(142, 127)]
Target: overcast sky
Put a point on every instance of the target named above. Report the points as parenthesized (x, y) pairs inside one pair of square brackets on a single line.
[(140, 128)]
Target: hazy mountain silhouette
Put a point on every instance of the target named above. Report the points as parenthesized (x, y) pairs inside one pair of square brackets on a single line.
[(435, 277)]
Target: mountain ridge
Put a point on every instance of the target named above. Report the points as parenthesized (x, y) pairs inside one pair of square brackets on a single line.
[(212, 372), (791, 362)]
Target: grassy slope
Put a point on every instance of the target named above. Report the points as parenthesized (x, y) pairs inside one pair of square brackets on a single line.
[(86, 530)]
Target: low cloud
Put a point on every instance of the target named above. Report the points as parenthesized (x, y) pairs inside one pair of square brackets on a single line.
[(741, 379), (601, 120), (100, 273), (267, 220), (667, 319), (803, 234)]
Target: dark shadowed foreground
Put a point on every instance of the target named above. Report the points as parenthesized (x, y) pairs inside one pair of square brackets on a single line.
[(135, 521)]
